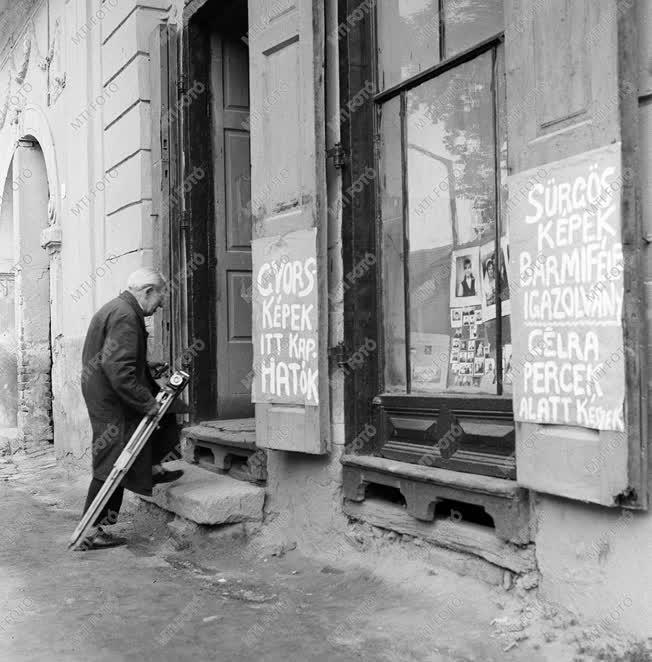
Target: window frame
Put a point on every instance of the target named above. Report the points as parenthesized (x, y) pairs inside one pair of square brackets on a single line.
[(363, 303), (445, 64), (489, 45)]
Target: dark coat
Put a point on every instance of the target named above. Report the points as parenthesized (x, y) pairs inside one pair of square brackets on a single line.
[(468, 290), (119, 389)]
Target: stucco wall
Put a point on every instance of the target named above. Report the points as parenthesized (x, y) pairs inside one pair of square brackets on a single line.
[(72, 105), (37, 106), (596, 562)]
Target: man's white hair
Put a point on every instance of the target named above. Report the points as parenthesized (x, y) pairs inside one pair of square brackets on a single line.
[(145, 277)]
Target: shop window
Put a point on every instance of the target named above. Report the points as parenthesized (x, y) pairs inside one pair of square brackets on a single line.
[(444, 251), (442, 159), (437, 299)]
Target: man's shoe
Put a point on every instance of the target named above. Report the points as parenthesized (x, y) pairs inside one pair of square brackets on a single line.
[(102, 540), (167, 476)]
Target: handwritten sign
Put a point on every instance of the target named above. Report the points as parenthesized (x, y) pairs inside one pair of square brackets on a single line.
[(285, 319), (566, 272)]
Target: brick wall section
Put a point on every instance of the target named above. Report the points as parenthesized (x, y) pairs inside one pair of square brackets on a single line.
[(34, 394)]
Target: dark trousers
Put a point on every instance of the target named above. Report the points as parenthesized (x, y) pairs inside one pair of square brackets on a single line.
[(108, 514)]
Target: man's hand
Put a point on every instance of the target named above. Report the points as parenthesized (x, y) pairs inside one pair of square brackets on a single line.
[(153, 408), (158, 368)]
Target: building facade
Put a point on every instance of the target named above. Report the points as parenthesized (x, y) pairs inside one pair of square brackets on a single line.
[(407, 253)]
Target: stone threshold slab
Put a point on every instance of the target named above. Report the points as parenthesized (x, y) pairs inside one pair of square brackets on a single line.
[(208, 498)]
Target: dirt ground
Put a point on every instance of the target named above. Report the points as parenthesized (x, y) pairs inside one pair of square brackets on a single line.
[(179, 592)]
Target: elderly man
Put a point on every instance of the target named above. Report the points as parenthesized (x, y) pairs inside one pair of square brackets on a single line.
[(119, 389)]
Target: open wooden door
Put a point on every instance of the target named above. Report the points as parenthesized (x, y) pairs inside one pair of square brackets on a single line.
[(578, 360), (169, 335), (288, 191), (232, 195)]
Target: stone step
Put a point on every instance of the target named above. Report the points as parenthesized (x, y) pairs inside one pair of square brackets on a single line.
[(208, 498), (239, 432), (227, 446)]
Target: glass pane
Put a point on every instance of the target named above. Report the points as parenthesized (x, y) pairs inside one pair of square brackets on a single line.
[(408, 39), (501, 85), (391, 210), (468, 22), (505, 328), (452, 230)]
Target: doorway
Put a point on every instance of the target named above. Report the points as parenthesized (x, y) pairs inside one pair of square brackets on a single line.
[(219, 209), (31, 214), (232, 202), (8, 336)]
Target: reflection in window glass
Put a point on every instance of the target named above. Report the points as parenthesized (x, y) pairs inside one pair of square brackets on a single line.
[(452, 230), (505, 329), (468, 22), (391, 209), (430, 231), (451, 122), (408, 39)]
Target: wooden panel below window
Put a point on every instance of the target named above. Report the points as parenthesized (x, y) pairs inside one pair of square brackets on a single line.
[(454, 433)]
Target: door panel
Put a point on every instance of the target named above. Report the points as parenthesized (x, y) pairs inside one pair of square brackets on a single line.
[(239, 306), (289, 195), (232, 191), (583, 102), (238, 190)]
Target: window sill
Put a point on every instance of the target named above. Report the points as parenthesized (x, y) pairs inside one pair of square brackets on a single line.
[(503, 403), (422, 487)]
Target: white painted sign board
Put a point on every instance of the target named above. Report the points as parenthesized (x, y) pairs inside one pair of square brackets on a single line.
[(566, 278), (285, 319)]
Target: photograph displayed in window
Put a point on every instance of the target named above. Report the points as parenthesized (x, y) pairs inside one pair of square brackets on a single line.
[(451, 215), (452, 269)]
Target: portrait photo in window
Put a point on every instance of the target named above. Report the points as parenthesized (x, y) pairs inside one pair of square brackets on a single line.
[(465, 277), (488, 270), (504, 282)]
